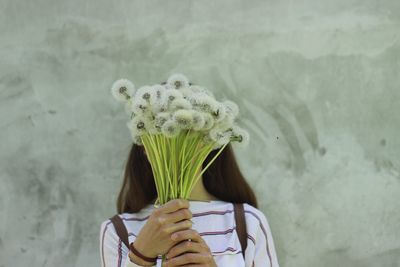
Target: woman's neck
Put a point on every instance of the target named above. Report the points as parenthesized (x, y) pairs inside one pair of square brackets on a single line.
[(199, 192)]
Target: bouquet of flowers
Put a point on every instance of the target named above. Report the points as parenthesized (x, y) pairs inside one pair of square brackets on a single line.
[(178, 124)]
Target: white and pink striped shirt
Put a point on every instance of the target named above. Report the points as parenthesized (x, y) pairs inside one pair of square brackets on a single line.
[(215, 222)]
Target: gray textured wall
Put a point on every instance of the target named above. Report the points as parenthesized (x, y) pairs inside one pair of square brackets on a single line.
[(317, 83)]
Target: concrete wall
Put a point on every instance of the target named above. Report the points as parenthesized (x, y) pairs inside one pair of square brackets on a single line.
[(317, 83)]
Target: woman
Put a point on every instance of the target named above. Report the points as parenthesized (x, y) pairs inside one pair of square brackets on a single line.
[(195, 232)]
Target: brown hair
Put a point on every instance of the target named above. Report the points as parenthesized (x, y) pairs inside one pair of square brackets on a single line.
[(222, 179)]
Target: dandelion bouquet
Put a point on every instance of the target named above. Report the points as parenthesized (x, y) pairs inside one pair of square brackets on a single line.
[(178, 124)]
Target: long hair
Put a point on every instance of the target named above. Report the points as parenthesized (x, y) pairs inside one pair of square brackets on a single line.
[(222, 179)]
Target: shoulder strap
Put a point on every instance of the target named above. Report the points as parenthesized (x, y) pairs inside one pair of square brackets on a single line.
[(241, 225), (120, 228)]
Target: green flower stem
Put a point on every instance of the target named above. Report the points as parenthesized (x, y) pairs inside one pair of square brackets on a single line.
[(186, 163), (208, 165), (161, 172), (157, 152), (196, 159), (170, 188), (176, 162), (202, 155), (193, 146), (182, 159), (173, 156), (164, 166), (150, 154), (166, 156)]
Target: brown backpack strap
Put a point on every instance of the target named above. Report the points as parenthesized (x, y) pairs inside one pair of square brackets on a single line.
[(121, 229), (241, 225)]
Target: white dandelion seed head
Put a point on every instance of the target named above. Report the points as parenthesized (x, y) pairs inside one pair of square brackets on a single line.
[(180, 103), (208, 121), (183, 118), (159, 106), (219, 112), (240, 136), (177, 81), (176, 105), (158, 94), (161, 118), (152, 129), (168, 86), (171, 95), (137, 125), (220, 136), (198, 120), (208, 141), (203, 102), (170, 128), (140, 106), (186, 92), (122, 89), (196, 89), (231, 107), (160, 101), (227, 121), (149, 117), (146, 93)]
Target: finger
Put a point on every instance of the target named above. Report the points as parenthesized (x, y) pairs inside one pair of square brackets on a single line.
[(177, 216), (187, 234), (189, 258), (179, 226), (164, 264), (185, 246), (173, 205)]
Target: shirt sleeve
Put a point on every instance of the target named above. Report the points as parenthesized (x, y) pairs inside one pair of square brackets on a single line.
[(264, 250), (113, 251)]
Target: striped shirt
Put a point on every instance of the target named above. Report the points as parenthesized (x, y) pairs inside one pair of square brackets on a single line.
[(215, 222)]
